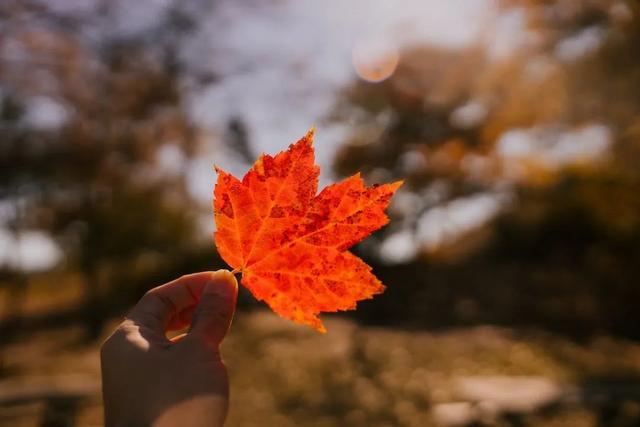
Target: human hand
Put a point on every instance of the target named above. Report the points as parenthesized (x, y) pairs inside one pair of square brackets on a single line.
[(148, 379)]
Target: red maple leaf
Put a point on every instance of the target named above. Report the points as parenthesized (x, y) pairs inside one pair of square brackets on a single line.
[(291, 244)]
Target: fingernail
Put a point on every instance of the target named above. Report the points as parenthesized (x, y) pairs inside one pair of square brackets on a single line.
[(222, 283)]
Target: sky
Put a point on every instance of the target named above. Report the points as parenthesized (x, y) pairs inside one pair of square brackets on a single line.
[(281, 64)]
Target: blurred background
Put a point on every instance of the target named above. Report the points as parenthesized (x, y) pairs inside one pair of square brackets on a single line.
[(512, 259)]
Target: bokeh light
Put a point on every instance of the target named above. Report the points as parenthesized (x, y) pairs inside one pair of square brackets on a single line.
[(375, 60)]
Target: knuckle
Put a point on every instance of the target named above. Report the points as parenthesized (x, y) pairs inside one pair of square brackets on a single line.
[(201, 348), (116, 343), (151, 293), (214, 315), (215, 302)]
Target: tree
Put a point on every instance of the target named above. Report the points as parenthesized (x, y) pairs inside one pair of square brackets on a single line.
[(85, 132), (553, 129)]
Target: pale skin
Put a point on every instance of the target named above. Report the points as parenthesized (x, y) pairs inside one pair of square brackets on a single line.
[(149, 380)]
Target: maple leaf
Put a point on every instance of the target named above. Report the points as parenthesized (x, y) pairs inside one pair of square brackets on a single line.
[(291, 244)]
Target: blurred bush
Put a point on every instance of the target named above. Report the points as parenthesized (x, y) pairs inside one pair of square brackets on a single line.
[(86, 134)]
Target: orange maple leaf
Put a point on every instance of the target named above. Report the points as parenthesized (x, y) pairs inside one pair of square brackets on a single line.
[(291, 244)]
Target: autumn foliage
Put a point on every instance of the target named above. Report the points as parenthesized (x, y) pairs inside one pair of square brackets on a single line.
[(291, 244)]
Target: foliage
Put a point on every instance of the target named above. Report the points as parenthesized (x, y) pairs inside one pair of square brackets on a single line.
[(289, 243), (84, 130), (563, 250)]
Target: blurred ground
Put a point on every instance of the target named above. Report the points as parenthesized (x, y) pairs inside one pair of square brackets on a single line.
[(287, 375)]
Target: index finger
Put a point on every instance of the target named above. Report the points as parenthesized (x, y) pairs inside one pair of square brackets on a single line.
[(159, 306)]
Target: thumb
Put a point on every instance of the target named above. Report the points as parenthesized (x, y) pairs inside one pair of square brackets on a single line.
[(214, 312)]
